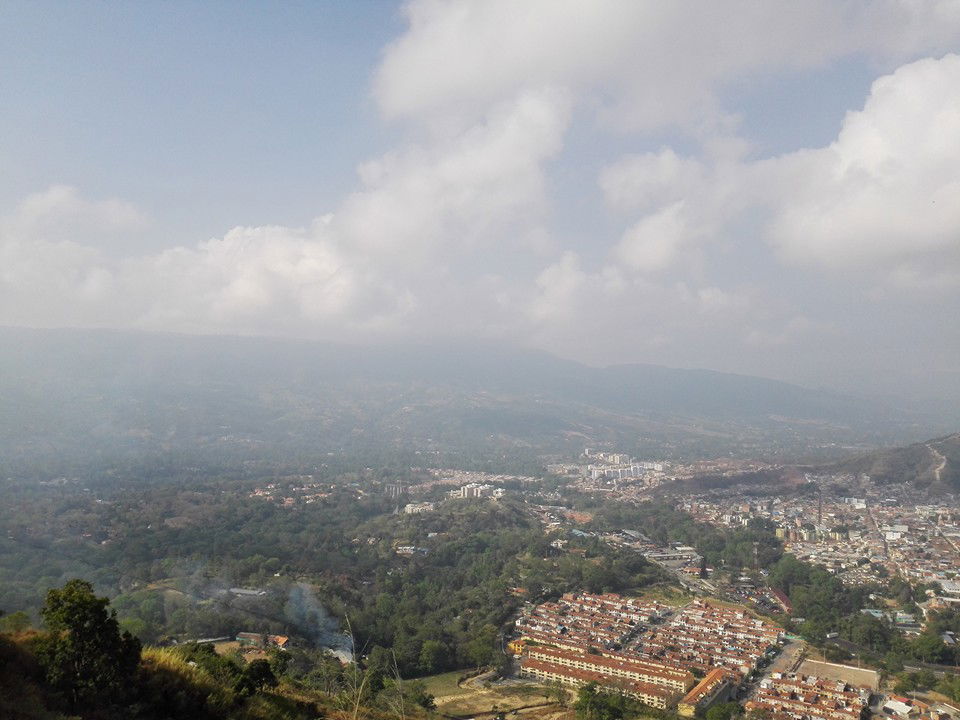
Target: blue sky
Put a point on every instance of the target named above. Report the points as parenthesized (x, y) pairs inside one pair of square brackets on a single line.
[(758, 188), (208, 115)]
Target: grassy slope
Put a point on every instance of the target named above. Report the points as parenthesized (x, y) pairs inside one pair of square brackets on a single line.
[(168, 688)]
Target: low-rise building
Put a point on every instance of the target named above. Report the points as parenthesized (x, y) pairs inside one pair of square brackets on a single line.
[(717, 686)]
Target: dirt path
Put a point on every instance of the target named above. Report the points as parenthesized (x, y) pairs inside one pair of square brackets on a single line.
[(943, 461), (473, 681)]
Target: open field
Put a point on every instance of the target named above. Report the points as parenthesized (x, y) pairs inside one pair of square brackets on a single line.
[(249, 653), (667, 594), (166, 588), (847, 673), (494, 699), (548, 712), (445, 683), (476, 697)]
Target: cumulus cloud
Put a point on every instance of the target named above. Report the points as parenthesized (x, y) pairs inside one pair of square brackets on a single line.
[(421, 203), (654, 241), (252, 279), (264, 279), (647, 64), (458, 229), (648, 180), (884, 196), (889, 186), (609, 316), (60, 214), (430, 228)]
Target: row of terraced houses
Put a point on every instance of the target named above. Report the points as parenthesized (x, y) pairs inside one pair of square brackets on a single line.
[(643, 648)]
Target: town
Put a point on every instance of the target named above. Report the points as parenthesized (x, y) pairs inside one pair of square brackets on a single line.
[(688, 658)]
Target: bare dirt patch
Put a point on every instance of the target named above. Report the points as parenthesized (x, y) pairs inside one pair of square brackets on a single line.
[(476, 698), (862, 677)]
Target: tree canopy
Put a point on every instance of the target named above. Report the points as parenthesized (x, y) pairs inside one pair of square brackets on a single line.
[(84, 655)]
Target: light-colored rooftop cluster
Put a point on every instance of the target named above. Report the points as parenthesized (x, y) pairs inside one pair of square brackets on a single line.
[(616, 640), (704, 636), (800, 697)]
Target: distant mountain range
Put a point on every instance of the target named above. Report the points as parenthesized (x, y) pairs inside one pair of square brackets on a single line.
[(65, 393)]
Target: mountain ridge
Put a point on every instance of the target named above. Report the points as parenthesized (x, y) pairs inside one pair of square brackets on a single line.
[(62, 388)]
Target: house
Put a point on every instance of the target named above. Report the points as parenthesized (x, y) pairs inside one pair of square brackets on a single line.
[(262, 640), (717, 686)]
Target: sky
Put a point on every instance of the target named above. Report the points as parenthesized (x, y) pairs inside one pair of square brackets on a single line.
[(768, 188)]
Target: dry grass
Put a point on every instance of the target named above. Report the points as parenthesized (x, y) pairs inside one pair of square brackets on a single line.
[(496, 698), (444, 684), (472, 699), (667, 594)]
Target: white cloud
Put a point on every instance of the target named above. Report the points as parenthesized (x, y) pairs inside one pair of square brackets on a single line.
[(884, 197), (252, 280), (61, 214), (420, 204), (399, 255), (557, 287), (456, 230), (648, 64), (642, 182), (794, 330), (654, 241), (888, 188)]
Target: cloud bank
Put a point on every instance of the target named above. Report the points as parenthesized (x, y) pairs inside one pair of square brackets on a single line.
[(705, 254)]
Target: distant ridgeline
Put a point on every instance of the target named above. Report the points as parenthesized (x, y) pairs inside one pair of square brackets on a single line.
[(96, 396)]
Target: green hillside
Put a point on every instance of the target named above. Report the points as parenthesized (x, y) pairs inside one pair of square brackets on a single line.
[(932, 466), (83, 666)]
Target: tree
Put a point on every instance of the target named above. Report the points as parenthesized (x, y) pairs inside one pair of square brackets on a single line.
[(256, 676), (904, 684), (724, 711), (15, 622), (588, 702), (279, 661), (928, 647), (595, 704), (433, 654), (480, 648), (84, 655), (416, 692)]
